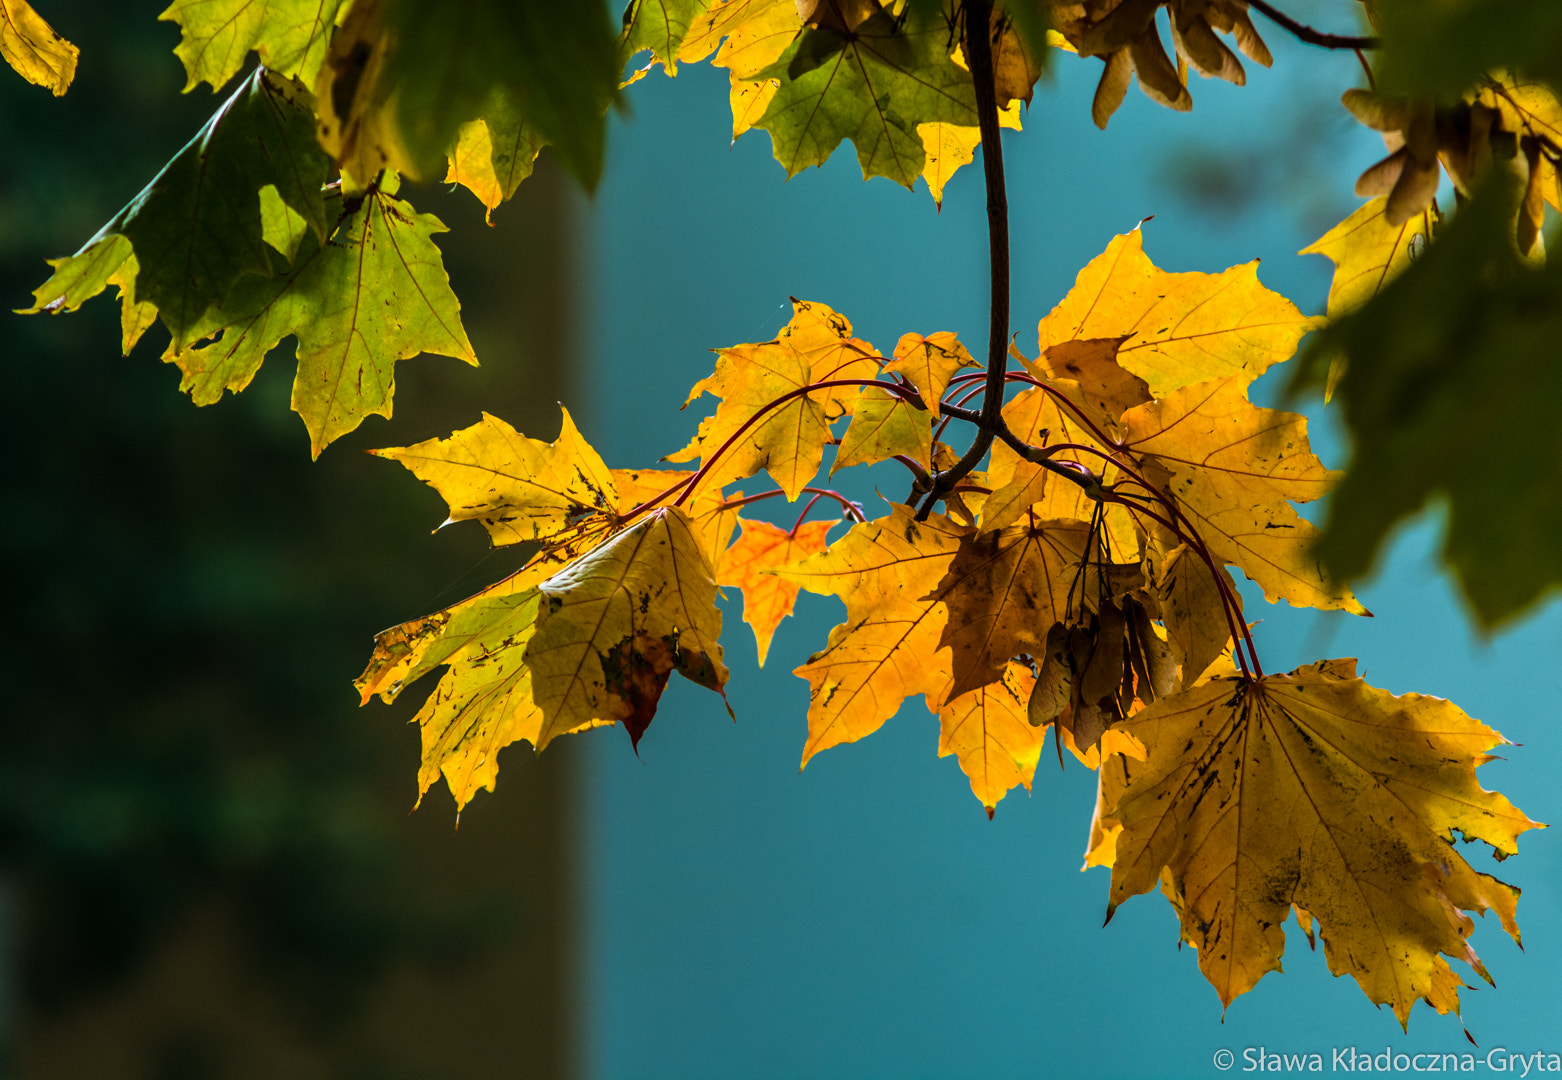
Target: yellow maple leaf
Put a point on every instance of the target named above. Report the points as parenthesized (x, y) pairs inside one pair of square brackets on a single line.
[(1091, 364), (492, 177), (405, 653), (888, 648), (615, 624), (951, 147), (1317, 790), (712, 517), (1192, 605), (32, 47), (1368, 251), (520, 489), (1020, 486), (746, 35), (745, 565), (483, 702), (1182, 328), (986, 729), (750, 430), (929, 363), (885, 425), (1530, 107), (1234, 469)]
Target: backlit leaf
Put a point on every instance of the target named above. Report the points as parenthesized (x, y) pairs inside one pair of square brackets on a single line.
[(951, 147), (712, 517), (888, 649), (34, 50), (1022, 487), (216, 36), (1368, 252), (1317, 790), (768, 599), (494, 153), (1234, 470), (884, 425), (786, 441), (1532, 108), (929, 363), (375, 294), (987, 731), (661, 26), (1181, 328), (520, 489), (746, 35), (617, 622), (197, 229), (872, 84)]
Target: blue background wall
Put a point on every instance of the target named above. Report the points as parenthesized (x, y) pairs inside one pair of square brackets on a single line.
[(864, 918)]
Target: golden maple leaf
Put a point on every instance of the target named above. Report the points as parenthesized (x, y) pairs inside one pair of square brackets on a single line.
[(749, 430), (33, 48), (483, 702), (1181, 328), (987, 731), (888, 648), (885, 425), (768, 599), (1234, 469), (1051, 416), (929, 363), (615, 623), (1368, 251), (1317, 790), (519, 488)]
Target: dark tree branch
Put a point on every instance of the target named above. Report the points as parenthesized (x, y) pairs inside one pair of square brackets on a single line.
[(1307, 34), (979, 55)]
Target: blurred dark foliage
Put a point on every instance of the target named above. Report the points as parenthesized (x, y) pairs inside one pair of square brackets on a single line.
[(189, 596)]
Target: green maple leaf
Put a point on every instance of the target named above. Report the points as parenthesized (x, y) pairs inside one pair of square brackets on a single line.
[(1451, 391), (557, 62), (199, 227), (374, 294), (873, 85), (216, 36), (1445, 48)]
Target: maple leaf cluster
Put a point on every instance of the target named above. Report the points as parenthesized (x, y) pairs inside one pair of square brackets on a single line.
[(1069, 571), (1079, 584)]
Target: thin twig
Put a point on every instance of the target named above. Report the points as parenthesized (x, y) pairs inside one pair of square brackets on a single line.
[(1307, 34)]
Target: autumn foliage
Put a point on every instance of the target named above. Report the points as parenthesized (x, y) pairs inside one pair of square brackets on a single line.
[(1062, 558)]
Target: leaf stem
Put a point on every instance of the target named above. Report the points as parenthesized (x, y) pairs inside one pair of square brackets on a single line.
[(705, 466), (852, 509), (792, 532), (979, 55), (1307, 34)]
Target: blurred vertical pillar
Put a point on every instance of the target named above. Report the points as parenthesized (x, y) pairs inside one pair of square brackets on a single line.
[(203, 1000)]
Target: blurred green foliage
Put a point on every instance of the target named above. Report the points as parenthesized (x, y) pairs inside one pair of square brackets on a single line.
[(190, 596)]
